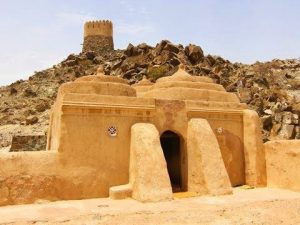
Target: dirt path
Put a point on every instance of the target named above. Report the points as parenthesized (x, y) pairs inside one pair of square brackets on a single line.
[(254, 206)]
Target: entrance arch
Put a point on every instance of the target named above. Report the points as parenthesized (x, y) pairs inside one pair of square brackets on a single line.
[(170, 143)]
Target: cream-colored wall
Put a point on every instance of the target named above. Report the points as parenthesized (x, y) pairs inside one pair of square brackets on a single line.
[(171, 115), (149, 178), (230, 140), (84, 127), (89, 161), (283, 164), (184, 93), (206, 169), (54, 129), (255, 164), (28, 176), (93, 88), (85, 140)]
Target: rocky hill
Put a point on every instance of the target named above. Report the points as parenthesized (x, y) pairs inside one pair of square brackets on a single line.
[(270, 88)]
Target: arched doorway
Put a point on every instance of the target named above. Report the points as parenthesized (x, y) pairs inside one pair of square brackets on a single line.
[(170, 143)]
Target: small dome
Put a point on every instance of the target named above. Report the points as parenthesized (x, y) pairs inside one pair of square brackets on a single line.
[(99, 84), (183, 86), (100, 77), (142, 86), (182, 75), (143, 82)]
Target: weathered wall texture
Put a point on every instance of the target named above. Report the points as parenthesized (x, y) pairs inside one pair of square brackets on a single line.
[(98, 44), (28, 143), (26, 177), (283, 164), (86, 160), (255, 164), (149, 177), (206, 170)]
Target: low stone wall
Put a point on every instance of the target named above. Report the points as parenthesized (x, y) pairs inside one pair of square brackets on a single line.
[(283, 164), (28, 143)]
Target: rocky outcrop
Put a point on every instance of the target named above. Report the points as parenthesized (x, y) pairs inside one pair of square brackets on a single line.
[(270, 88), (28, 143)]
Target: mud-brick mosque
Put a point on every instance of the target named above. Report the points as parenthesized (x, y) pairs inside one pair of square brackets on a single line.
[(147, 141)]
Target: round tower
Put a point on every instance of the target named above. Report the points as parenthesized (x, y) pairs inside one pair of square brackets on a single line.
[(98, 36)]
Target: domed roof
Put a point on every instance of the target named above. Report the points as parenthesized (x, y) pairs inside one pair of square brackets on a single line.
[(183, 86), (182, 75), (100, 77), (142, 86), (99, 84), (143, 82)]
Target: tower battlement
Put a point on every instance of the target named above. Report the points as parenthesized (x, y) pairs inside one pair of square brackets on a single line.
[(99, 27), (98, 36)]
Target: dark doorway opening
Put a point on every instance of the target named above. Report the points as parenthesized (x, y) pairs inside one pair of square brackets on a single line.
[(170, 143)]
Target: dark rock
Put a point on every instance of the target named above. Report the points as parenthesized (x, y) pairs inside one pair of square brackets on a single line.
[(28, 92), (159, 47), (174, 62), (129, 73), (71, 57), (194, 53), (267, 122), (116, 64), (144, 47), (132, 50), (30, 120), (41, 107), (28, 112), (13, 91), (71, 62), (211, 60), (143, 71), (90, 55), (129, 50), (171, 47)]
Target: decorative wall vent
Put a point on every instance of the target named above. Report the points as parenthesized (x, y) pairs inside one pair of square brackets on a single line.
[(112, 131)]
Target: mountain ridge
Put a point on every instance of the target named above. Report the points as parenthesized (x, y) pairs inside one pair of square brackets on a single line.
[(271, 88)]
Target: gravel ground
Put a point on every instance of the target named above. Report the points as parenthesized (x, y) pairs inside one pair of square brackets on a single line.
[(250, 206)]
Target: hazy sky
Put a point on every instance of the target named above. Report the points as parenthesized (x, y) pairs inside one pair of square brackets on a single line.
[(35, 34)]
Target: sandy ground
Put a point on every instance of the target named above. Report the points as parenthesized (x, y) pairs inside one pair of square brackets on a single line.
[(252, 206)]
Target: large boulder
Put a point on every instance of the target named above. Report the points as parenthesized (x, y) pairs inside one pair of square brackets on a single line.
[(132, 50), (194, 53)]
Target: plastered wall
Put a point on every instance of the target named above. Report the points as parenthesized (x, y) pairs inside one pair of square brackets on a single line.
[(102, 28)]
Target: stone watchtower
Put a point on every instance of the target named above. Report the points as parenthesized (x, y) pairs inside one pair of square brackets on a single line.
[(98, 36)]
